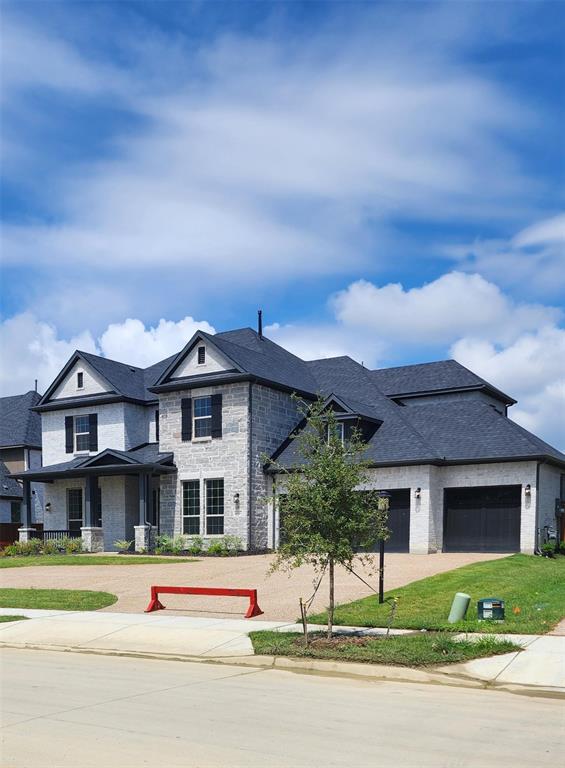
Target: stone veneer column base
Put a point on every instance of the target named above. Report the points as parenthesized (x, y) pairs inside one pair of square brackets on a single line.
[(24, 534), (92, 539), (144, 538)]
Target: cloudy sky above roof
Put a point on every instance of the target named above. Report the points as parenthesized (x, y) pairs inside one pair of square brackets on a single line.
[(383, 179)]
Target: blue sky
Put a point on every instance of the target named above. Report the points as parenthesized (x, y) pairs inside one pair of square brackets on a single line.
[(384, 179)]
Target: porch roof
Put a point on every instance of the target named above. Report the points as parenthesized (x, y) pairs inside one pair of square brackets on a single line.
[(143, 459)]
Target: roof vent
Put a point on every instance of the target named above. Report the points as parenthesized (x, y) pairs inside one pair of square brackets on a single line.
[(260, 323)]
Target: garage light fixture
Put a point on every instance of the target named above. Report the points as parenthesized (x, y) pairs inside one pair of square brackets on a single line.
[(528, 489), (417, 492)]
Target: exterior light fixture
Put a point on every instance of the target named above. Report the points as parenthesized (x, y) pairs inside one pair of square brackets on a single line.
[(236, 498), (417, 492), (528, 489)]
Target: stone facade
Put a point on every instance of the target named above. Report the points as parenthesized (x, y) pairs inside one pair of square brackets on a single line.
[(204, 459)]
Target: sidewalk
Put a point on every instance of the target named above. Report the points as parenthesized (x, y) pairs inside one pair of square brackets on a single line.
[(539, 668)]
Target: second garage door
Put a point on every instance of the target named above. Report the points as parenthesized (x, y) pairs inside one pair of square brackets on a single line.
[(484, 519)]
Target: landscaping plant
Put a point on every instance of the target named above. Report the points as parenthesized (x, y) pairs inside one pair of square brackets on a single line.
[(326, 519), (123, 545)]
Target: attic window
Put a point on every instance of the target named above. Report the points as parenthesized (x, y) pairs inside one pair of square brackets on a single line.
[(338, 430), (201, 355), (80, 380)]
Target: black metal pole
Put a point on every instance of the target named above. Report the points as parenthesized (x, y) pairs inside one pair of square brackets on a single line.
[(381, 571)]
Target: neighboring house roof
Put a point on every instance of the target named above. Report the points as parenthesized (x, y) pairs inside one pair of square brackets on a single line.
[(440, 376), (19, 425), (9, 486)]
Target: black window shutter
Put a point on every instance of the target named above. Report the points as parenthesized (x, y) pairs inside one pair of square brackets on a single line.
[(157, 425), (216, 415), (186, 418), (69, 434), (93, 429)]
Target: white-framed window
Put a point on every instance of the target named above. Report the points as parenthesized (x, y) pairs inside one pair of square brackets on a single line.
[(191, 507), (201, 355), (74, 508), (214, 495), (202, 417), (82, 433), (338, 430), (80, 380)]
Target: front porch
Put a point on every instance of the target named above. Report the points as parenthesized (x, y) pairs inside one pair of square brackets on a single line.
[(112, 496)]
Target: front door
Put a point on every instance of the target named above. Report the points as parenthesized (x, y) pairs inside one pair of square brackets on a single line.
[(74, 509)]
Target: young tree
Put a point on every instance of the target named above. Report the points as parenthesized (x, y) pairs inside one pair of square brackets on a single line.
[(327, 519)]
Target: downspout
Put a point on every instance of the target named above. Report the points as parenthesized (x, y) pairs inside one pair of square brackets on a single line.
[(537, 549), (250, 465)]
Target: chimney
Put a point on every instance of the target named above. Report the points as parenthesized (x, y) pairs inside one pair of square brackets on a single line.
[(36, 385), (260, 323)]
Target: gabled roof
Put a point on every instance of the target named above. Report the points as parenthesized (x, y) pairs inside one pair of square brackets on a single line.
[(9, 486), (250, 355), (471, 429), (19, 425), (439, 376)]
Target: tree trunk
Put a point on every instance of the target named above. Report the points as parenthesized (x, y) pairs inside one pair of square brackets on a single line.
[(331, 605)]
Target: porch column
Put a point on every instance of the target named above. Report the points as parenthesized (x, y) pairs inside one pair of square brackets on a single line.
[(143, 530), (92, 535), (24, 533)]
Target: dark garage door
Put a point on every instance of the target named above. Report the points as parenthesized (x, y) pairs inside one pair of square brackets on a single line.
[(485, 519), (399, 521)]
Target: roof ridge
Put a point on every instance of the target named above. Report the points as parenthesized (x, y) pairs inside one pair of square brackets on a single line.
[(398, 411), (111, 360), (416, 365)]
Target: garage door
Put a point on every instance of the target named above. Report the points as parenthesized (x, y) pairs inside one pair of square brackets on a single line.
[(485, 519), (398, 521)]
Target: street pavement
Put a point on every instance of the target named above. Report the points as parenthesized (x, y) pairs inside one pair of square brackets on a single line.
[(85, 711), (541, 665)]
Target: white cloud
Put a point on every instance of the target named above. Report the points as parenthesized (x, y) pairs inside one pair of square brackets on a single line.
[(532, 262), (439, 312), (263, 159), (532, 369), (133, 343), (31, 349)]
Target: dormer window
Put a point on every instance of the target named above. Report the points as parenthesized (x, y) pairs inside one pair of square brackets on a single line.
[(338, 429), (201, 355), (80, 380)]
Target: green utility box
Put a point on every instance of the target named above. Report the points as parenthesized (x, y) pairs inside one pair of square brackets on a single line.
[(490, 609)]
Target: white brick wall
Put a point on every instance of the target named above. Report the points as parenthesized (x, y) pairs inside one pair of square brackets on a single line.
[(225, 457), (111, 431)]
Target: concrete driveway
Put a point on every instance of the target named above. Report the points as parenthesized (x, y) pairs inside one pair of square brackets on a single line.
[(278, 593)]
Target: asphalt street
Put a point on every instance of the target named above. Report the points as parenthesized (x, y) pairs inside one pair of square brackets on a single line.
[(79, 710)]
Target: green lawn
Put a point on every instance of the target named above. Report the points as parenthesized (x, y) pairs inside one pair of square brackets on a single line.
[(23, 561), (534, 587), (3, 619), (421, 650), (56, 599)]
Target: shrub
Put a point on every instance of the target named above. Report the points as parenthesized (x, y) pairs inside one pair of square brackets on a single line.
[(562, 547), (232, 544), (71, 546), (216, 548), (163, 545), (178, 544), (123, 545), (50, 547), (10, 550), (548, 549), (195, 545)]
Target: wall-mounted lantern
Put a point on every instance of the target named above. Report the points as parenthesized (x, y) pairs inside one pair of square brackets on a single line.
[(417, 493), (528, 489)]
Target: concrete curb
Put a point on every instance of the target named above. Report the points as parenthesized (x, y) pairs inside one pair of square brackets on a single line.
[(326, 668)]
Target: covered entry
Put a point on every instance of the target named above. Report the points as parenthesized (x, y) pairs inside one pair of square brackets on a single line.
[(482, 519)]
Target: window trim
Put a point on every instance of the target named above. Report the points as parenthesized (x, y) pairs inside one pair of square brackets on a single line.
[(201, 438), (185, 517), (199, 349), (69, 492), (208, 516), (76, 434), (80, 379), (341, 435)]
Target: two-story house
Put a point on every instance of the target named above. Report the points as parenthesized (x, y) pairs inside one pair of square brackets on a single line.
[(180, 448), (20, 449)]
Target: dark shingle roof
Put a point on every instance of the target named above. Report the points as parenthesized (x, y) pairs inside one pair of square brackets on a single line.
[(9, 486), (18, 424), (430, 377), (471, 429)]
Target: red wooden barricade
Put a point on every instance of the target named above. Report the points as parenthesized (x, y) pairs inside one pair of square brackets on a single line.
[(156, 605)]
